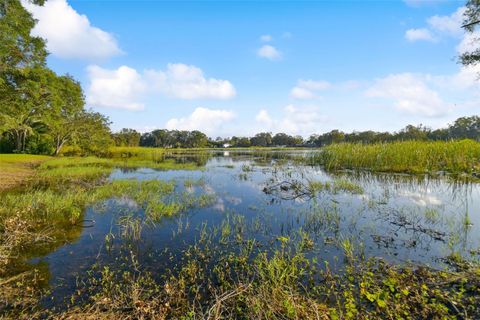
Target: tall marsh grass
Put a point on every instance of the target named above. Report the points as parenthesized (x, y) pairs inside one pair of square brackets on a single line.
[(406, 156)]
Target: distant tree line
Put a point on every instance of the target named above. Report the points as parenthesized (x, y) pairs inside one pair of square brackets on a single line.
[(174, 139), (462, 128), (40, 111)]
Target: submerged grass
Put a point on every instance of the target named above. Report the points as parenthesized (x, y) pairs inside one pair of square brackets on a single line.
[(407, 156)]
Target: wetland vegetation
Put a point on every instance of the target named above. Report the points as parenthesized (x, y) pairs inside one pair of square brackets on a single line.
[(162, 234), (173, 224)]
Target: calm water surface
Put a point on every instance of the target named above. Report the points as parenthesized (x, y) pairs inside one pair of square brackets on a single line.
[(400, 218)]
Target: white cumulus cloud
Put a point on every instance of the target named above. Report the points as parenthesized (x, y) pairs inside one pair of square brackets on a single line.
[(419, 35), (296, 120), (306, 89), (264, 118), (410, 94), (438, 27), (206, 120), (188, 82), (469, 42), (70, 34), (120, 88), (451, 24), (428, 95), (269, 52)]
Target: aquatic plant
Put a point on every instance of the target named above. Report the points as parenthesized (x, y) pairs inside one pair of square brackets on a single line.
[(243, 283)]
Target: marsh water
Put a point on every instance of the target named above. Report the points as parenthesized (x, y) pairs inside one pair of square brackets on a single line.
[(266, 198)]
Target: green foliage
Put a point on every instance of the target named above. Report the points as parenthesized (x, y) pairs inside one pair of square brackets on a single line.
[(126, 138), (263, 139), (174, 139), (245, 284), (335, 186), (39, 110)]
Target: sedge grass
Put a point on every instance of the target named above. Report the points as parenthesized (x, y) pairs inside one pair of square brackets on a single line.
[(407, 156)]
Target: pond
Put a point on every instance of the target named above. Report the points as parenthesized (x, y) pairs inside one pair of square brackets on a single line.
[(272, 200)]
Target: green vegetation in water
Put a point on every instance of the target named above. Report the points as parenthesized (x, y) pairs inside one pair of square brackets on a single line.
[(216, 281), (49, 210), (335, 186), (225, 275), (409, 156)]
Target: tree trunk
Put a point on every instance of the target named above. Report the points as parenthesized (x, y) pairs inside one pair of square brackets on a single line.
[(24, 137), (18, 141), (59, 145)]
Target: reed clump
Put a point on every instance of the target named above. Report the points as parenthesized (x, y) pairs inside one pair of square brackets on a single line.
[(455, 157)]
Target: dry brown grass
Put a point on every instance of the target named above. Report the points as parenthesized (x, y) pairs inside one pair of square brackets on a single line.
[(15, 169)]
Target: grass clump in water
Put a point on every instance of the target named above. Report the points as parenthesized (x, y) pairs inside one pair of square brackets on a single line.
[(335, 186)]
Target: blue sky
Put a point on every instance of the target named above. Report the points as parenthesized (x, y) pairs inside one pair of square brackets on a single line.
[(239, 67)]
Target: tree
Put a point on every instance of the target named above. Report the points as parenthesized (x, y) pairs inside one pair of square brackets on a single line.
[(334, 136), (466, 127), (38, 108), (197, 139), (18, 49), (24, 97), (411, 132), (66, 114), (22, 61), (471, 22), (127, 138), (93, 132), (262, 139), (243, 142)]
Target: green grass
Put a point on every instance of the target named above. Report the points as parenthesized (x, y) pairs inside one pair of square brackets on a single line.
[(120, 162), (407, 157)]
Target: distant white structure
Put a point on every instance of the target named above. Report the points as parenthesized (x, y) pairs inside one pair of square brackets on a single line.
[(226, 145)]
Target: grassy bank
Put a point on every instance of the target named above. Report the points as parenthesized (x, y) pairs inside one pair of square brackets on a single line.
[(407, 157), (15, 169)]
